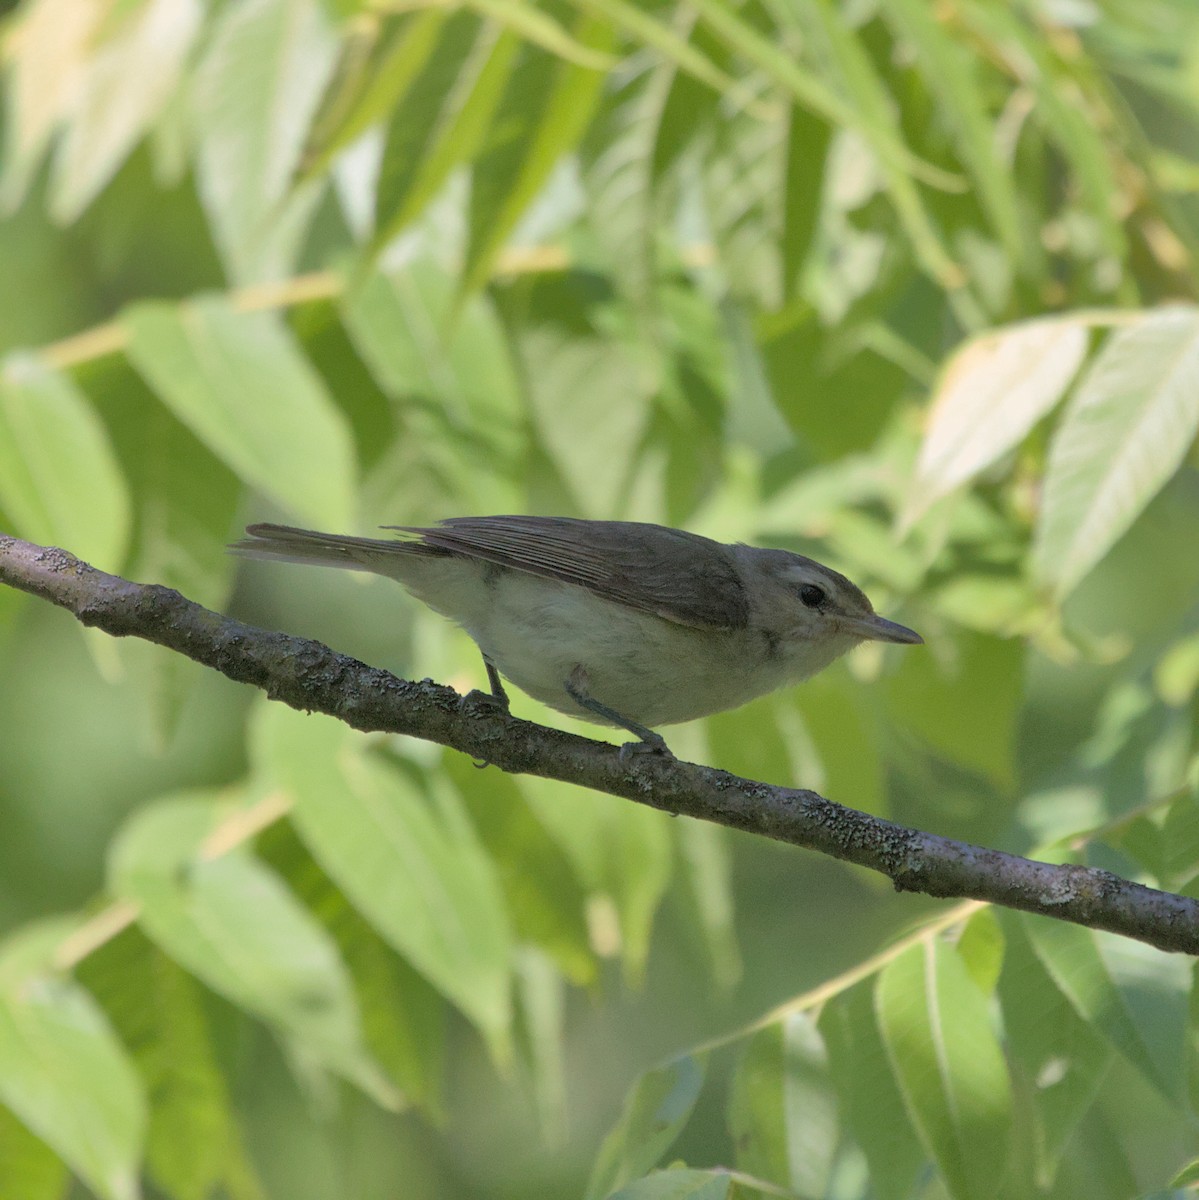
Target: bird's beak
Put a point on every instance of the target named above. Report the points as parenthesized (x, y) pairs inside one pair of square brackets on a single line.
[(879, 629)]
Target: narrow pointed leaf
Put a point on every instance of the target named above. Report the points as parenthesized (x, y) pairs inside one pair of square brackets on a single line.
[(949, 1065), (60, 481), (1130, 424), (544, 109), (424, 883), (255, 93), (233, 923), (949, 69), (241, 384), (129, 79), (1071, 955), (991, 394), (62, 1070), (655, 1110), (872, 1106)]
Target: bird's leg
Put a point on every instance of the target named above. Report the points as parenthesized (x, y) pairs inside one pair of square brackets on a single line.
[(497, 684), (576, 688), (496, 699)]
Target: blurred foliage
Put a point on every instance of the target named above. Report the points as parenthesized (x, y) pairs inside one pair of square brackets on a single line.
[(909, 287)]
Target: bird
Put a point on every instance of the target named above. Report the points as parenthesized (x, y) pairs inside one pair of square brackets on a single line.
[(621, 623)]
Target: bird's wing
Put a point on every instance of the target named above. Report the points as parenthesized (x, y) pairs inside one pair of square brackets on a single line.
[(679, 576)]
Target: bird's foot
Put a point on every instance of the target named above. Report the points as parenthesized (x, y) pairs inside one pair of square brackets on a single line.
[(477, 700), (483, 702), (650, 743)]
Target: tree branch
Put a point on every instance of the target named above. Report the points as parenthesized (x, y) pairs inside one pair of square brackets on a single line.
[(313, 678)]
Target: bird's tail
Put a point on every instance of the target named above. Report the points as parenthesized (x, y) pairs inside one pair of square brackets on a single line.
[(285, 543)]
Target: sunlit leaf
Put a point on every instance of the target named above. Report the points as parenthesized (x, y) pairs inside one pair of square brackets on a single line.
[(1130, 423), (990, 395), (543, 111), (59, 478), (127, 81), (417, 874), (233, 923), (241, 384), (255, 92), (62, 1070), (47, 47)]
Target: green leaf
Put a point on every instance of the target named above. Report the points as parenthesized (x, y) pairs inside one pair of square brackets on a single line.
[(655, 1110), (680, 1184), (783, 1110), (379, 60), (454, 366), (542, 992), (1188, 1177), (990, 395), (981, 947), (415, 870), (871, 1103), (255, 93), (158, 1010), (965, 706), (949, 69), (542, 893), (949, 1065), (128, 80), (545, 108), (404, 1019), (1071, 955), (59, 478), (870, 112), (1067, 121), (753, 417), (240, 383), (233, 924), (847, 740), (605, 418), (29, 1169), (814, 94), (808, 142), (542, 30), (661, 37), (1062, 1058), (1127, 429), (619, 851), (706, 880), (453, 93), (62, 1070)]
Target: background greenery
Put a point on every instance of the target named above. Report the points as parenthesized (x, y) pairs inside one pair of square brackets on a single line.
[(909, 287)]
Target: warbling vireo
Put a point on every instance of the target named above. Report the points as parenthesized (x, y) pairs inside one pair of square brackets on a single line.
[(613, 621)]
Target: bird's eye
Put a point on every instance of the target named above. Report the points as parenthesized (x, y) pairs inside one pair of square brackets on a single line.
[(811, 595)]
